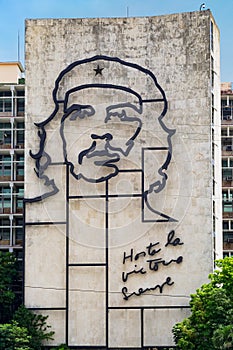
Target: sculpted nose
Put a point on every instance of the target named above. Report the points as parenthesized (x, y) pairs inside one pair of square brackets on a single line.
[(105, 137)]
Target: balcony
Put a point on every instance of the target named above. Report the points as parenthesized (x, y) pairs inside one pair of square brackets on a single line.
[(227, 182), (227, 121), (227, 215), (227, 153), (19, 210), (4, 242), (5, 210), (19, 146), (228, 245)]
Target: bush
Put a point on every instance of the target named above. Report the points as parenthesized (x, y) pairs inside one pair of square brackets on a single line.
[(8, 273), (13, 337), (36, 326), (210, 323)]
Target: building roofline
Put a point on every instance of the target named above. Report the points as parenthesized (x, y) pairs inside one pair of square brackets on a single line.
[(12, 63)]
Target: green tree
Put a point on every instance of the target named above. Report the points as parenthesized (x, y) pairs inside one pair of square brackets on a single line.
[(8, 273), (36, 326), (210, 325), (13, 337)]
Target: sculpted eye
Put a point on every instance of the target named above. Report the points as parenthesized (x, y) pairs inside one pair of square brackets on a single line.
[(119, 114), (123, 111), (80, 111)]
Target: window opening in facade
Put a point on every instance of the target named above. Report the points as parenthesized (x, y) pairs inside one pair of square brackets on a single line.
[(5, 167), (5, 101), (20, 105), (5, 135), (4, 231), (19, 167), (20, 135), (19, 199), (5, 199)]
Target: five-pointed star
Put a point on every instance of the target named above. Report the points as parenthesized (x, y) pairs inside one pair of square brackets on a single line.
[(98, 70)]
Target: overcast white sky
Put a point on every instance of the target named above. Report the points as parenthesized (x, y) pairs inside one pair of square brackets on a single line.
[(14, 12)]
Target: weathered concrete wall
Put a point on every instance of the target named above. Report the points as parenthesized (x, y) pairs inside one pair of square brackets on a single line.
[(116, 252)]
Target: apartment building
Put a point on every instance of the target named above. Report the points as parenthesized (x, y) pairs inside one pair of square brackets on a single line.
[(12, 96), (227, 166)]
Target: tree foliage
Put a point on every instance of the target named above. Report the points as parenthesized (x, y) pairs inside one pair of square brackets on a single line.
[(13, 337), (210, 325), (8, 273), (36, 326), (24, 330)]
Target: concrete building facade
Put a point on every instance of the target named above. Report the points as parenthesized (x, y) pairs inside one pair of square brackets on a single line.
[(123, 180), (227, 163), (12, 164), (11, 156)]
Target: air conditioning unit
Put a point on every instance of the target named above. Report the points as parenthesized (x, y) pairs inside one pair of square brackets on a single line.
[(229, 178), (229, 117)]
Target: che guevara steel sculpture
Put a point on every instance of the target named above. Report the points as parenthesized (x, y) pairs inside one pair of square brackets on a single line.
[(109, 154)]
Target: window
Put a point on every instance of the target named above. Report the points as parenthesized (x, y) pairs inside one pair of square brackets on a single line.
[(5, 133), (227, 207), (4, 235), (225, 225), (5, 222), (224, 163), (4, 231), (223, 102), (5, 101), (19, 198), (5, 165), (227, 254), (20, 106), (20, 133), (228, 237), (20, 93), (227, 174), (20, 165), (5, 199), (18, 235), (227, 195), (226, 141), (18, 231), (224, 194), (224, 132), (227, 113)]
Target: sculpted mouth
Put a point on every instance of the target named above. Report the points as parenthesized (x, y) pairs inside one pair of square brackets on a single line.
[(107, 162), (105, 157)]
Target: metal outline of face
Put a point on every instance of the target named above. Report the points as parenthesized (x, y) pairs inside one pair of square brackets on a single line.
[(43, 159), (85, 111)]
